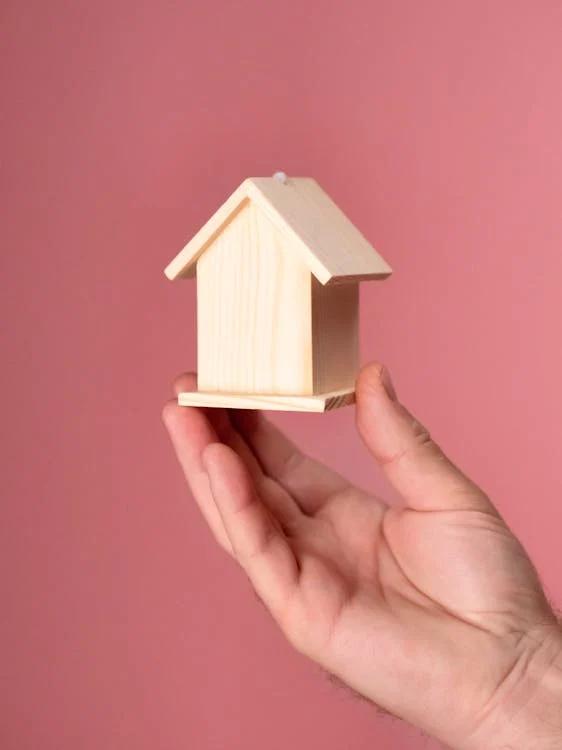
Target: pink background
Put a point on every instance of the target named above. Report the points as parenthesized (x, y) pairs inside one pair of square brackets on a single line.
[(436, 126)]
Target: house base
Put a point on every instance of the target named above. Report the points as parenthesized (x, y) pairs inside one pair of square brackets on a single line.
[(318, 402)]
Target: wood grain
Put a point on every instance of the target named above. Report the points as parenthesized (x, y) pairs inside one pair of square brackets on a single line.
[(269, 402), (254, 311), (330, 244)]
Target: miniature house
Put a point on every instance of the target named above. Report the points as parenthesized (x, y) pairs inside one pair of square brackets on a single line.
[(278, 268)]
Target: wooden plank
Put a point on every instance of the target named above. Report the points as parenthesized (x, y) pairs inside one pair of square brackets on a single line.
[(254, 311), (335, 336), (268, 402), (332, 246)]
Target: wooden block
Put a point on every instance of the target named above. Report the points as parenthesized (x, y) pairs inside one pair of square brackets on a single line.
[(253, 311), (269, 402), (335, 336)]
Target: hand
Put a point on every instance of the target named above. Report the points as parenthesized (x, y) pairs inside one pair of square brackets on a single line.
[(431, 610)]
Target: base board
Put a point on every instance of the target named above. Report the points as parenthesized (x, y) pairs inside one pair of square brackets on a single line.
[(319, 402)]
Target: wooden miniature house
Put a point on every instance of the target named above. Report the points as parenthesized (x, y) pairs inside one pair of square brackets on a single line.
[(278, 268)]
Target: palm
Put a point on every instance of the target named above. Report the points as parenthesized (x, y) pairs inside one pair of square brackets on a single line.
[(373, 593), (462, 566), (373, 578)]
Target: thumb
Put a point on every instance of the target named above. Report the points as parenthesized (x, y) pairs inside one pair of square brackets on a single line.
[(415, 465)]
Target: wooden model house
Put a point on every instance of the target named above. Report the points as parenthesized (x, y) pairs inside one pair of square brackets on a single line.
[(278, 268)]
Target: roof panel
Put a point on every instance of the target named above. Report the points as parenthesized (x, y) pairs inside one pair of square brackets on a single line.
[(332, 246)]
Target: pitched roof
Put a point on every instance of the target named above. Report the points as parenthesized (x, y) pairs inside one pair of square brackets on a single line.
[(332, 247)]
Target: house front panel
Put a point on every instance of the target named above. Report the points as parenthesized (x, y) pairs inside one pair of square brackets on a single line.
[(254, 311)]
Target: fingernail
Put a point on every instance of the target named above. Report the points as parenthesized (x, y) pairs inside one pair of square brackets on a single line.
[(388, 385)]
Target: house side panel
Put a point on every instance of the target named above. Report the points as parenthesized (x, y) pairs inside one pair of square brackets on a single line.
[(254, 311), (335, 336)]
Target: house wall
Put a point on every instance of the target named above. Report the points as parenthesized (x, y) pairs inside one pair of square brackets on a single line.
[(335, 335), (254, 311)]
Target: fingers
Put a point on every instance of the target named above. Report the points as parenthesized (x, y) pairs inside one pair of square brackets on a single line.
[(308, 481), (256, 539), (267, 452), (413, 463), (190, 432), (219, 419)]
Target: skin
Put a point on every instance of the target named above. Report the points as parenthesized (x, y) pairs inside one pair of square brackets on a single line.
[(432, 610)]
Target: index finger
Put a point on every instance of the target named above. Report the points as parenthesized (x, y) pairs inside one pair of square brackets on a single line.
[(307, 480)]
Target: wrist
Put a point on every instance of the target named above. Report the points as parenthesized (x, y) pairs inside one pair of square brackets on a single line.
[(526, 711)]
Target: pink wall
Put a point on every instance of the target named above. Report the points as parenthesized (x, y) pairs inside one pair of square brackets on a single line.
[(436, 126)]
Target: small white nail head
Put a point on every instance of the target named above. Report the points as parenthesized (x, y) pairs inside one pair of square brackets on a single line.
[(280, 177)]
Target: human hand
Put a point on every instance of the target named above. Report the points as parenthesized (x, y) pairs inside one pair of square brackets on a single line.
[(431, 610)]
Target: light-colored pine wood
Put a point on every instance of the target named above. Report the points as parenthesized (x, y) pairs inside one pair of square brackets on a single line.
[(331, 246), (268, 402), (335, 336), (277, 267), (254, 311)]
